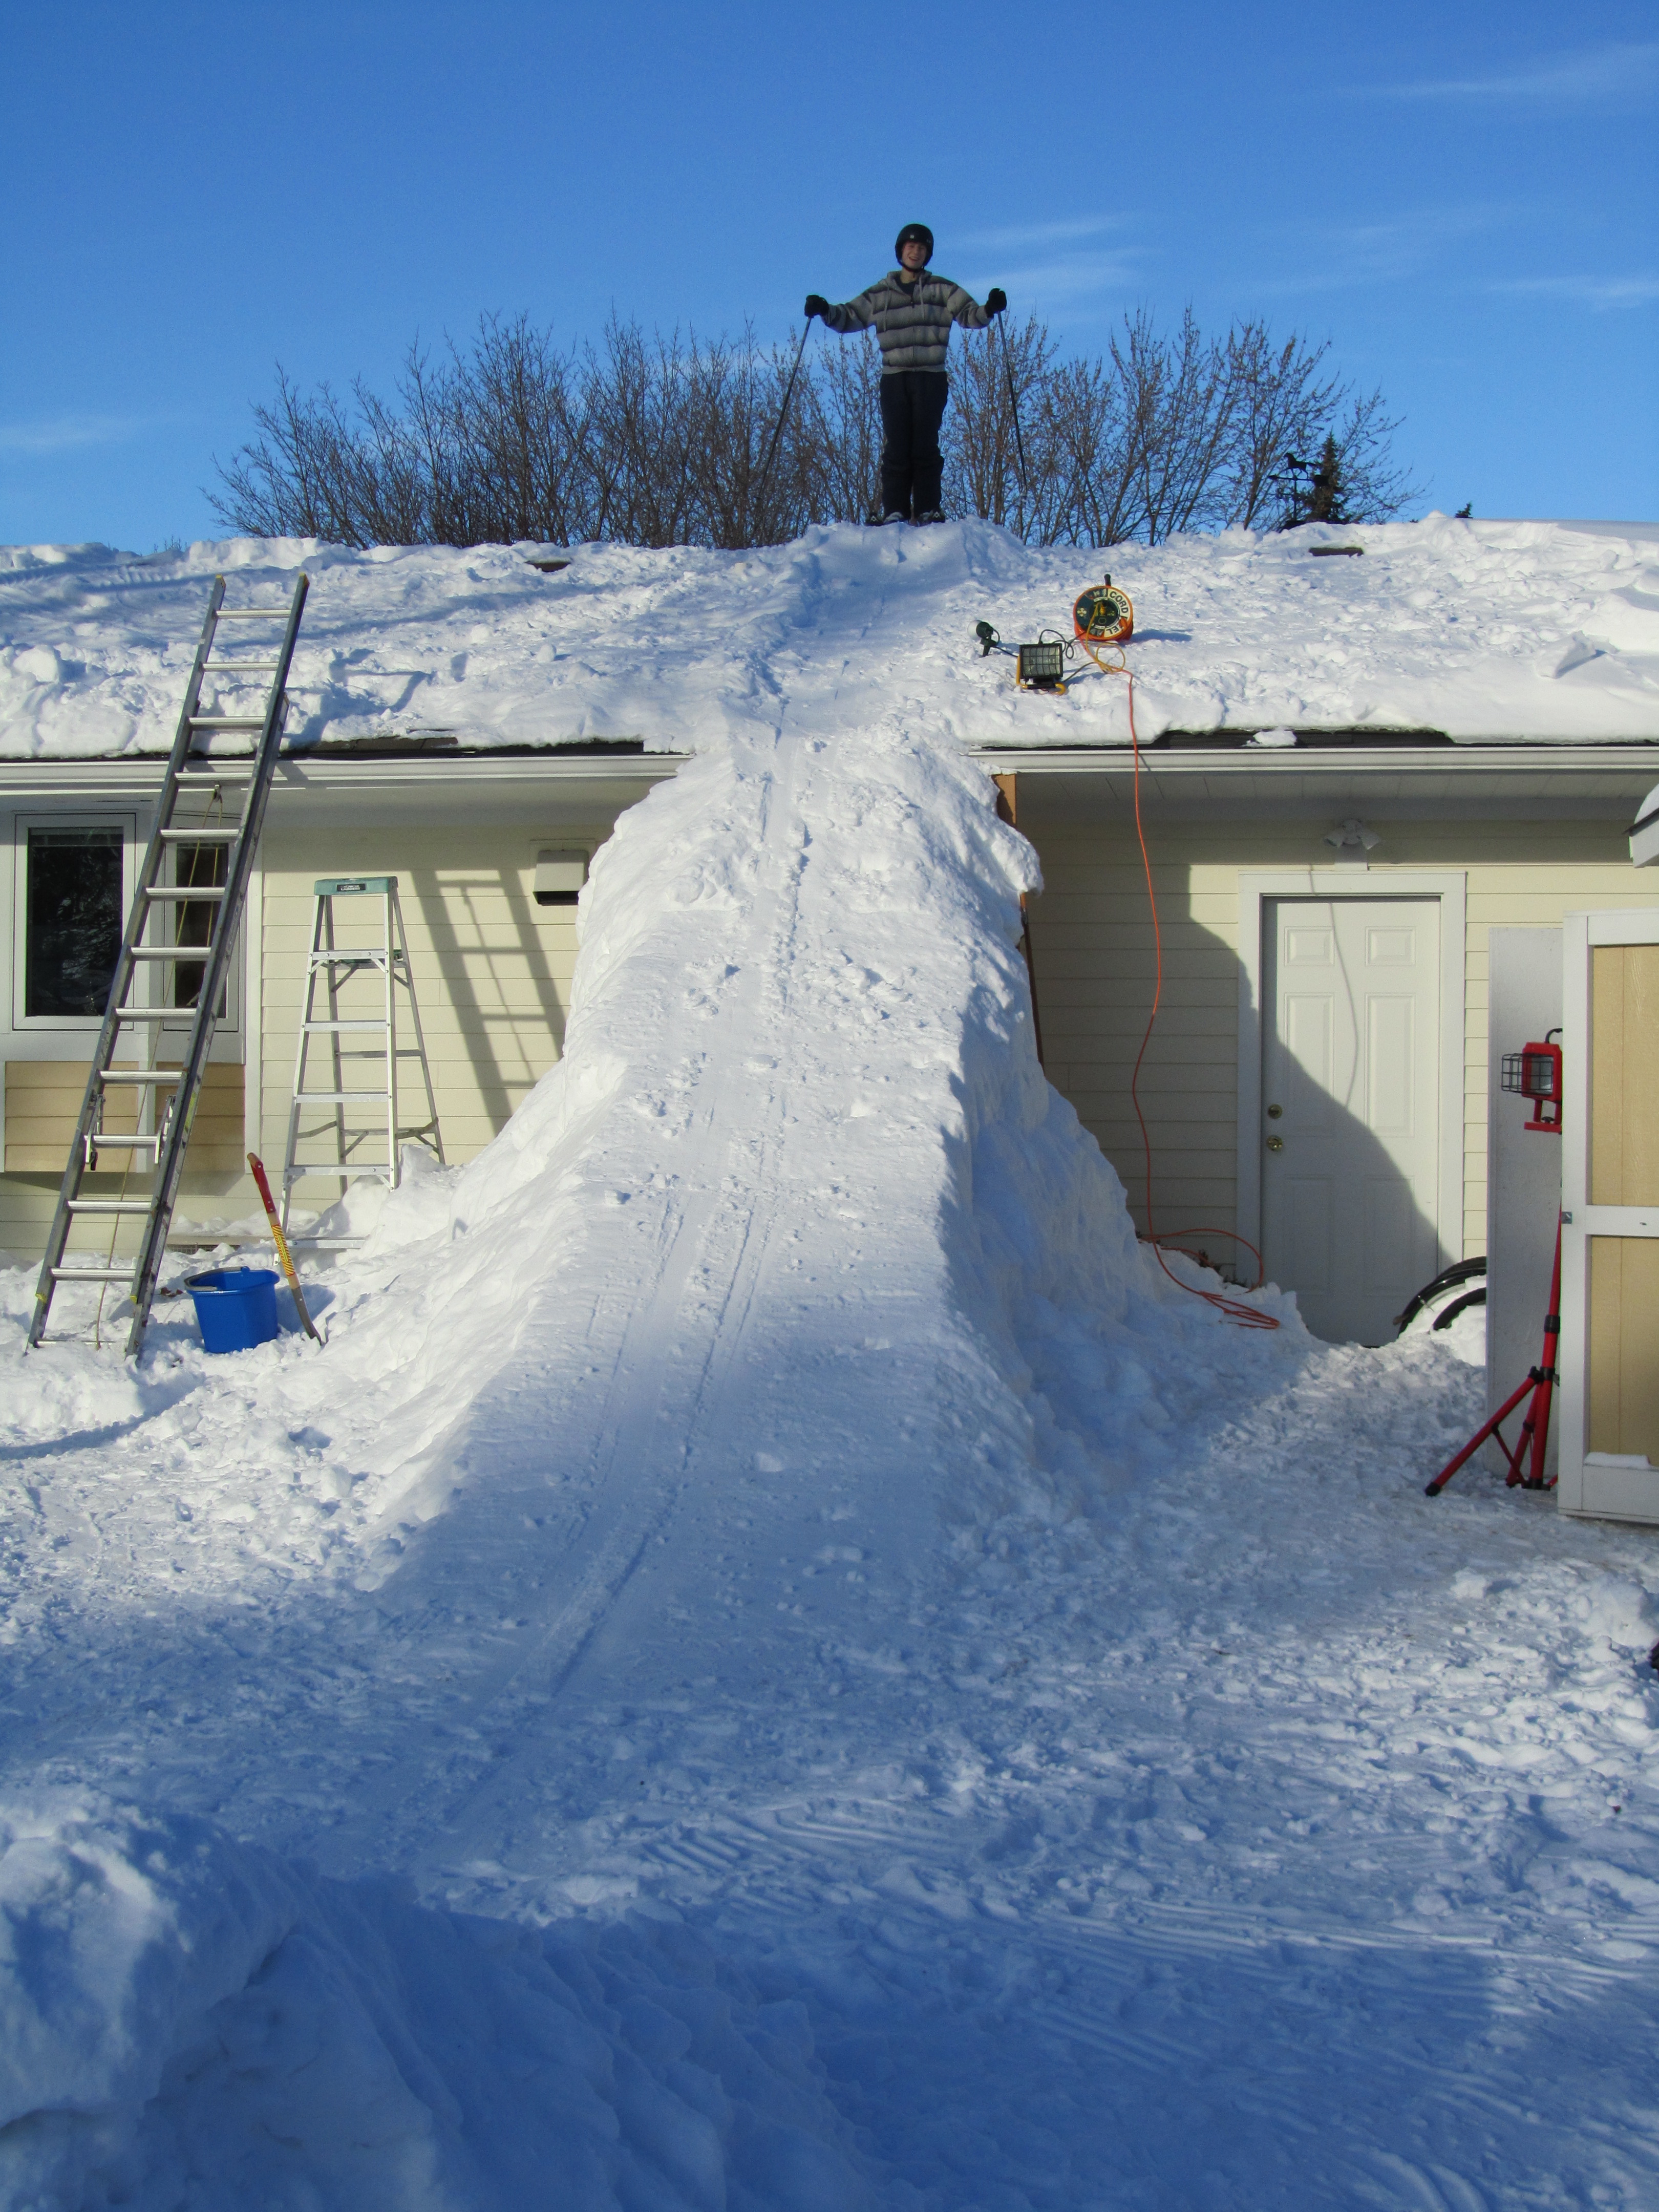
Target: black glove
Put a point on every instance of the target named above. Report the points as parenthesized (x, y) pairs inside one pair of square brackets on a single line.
[(815, 304), (996, 299)]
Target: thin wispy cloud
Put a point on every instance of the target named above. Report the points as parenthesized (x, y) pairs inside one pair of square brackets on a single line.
[(1049, 266), (1621, 71), (1601, 292), (63, 434), (1047, 284), (1027, 237), (1323, 257)]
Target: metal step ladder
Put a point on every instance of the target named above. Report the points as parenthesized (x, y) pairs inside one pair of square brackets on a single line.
[(191, 819), (333, 968)]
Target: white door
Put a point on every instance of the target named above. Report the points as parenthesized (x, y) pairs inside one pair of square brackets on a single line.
[(1350, 1101)]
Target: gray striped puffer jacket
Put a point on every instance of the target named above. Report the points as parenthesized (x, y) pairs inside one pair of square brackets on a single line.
[(913, 321)]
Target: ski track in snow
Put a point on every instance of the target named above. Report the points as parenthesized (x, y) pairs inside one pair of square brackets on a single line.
[(774, 1662)]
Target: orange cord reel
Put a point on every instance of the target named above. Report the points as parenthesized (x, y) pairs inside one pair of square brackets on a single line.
[(1104, 615)]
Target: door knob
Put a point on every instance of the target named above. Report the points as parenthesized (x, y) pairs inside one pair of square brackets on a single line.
[(1275, 1144)]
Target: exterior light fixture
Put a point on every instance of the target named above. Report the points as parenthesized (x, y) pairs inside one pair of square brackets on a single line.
[(1353, 842)]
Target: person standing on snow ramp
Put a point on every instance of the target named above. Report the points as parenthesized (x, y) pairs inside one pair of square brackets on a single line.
[(912, 314)]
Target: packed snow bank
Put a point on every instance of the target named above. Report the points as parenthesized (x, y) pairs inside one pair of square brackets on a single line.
[(792, 1300), (1480, 630), (185, 2020), (793, 1284), (792, 1292)]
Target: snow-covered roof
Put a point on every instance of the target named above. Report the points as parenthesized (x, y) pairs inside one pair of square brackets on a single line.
[(1480, 630)]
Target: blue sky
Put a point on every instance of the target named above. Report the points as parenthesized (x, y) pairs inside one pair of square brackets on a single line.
[(1461, 199)]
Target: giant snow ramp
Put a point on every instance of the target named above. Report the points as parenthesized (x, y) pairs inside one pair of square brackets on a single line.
[(708, 1364), (792, 1303)]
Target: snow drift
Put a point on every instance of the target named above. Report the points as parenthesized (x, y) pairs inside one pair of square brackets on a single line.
[(800, 1135), (183, 2021), (793, 1272), (1479, 629), (791, 1293), (794, 1278)]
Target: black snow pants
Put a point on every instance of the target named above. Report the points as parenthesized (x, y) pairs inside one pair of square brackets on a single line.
[(912, 466)]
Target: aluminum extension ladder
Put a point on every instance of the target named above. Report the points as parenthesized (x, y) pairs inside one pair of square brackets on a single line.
[(191, 816), (333, 968)]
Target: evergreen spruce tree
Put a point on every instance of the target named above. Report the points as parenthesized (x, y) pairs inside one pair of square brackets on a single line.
[(1326, 501)]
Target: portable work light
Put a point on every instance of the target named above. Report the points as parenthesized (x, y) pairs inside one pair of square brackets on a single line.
[(1042, 667), (1534, 1073)]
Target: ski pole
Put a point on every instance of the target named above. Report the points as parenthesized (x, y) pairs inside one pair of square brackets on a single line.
[(1013, 402), (772, 451), (282, 1252)]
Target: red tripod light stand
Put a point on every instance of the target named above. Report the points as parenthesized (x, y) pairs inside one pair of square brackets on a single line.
[(1535, 1074), (1535, 1428)]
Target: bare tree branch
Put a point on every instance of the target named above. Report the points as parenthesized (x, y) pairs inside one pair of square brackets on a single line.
[(662, 440)]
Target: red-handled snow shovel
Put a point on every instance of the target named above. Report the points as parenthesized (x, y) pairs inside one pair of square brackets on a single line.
[(283, 1252)]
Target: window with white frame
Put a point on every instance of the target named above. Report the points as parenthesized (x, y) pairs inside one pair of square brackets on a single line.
[(74, 905), (73, 879)]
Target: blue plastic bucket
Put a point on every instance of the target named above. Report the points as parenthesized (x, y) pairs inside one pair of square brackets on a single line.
[(236, 1307)]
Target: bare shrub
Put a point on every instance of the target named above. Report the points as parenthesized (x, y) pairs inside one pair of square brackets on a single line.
[(665, 440)]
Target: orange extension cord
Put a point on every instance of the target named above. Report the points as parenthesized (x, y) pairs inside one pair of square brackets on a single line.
[(1234, 1308)]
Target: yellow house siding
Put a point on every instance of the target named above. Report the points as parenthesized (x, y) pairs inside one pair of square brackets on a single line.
[(1095, 964), (1092, 946), (42, 1104), (492, 977), (492, 973), (492, 969)]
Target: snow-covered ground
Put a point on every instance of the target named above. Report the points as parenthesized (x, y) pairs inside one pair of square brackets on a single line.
[(1480, 630), (774, 1662)]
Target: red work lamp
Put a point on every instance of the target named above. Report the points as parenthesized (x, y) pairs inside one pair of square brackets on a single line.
[(1534, 1073)]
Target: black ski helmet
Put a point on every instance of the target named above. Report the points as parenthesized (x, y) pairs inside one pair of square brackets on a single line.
[(918, 231)]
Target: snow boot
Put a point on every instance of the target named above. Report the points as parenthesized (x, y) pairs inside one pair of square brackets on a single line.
[(934, 515)]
